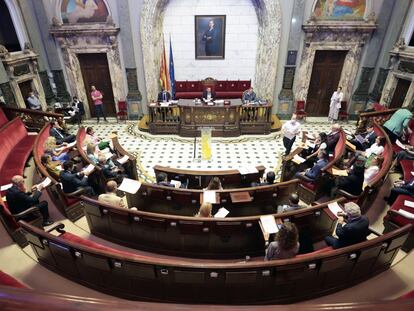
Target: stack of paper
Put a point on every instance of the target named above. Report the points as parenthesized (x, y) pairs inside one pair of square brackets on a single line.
[(244, 170), (123, 160), (5, 187), (87, 170), (298, 159), (409, 203), (176, 183), (339, 172), (268, 224), (335, 208), (406, 214), (222, 212), (209, 196), (45, 182), (129, 185)]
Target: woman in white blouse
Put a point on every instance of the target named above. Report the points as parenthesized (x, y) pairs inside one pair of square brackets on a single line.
[(377, 148), (373, 169)]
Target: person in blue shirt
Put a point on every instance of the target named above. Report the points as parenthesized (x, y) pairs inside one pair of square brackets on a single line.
[(312, 173)]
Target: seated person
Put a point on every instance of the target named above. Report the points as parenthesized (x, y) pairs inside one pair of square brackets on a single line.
[(400, 187), (312, 173), (52, 167), (292, 205), (110, 196), (269, 180), (57, 132), (164, 96), (214, 184), (57, 153), (19, 200), (208, 94), (311, 154), (354, 181), (162, 180), (92, 137), (205, 210), (73, 181), (77, 110), (248, 96), (93, 155), (109, 172), (352, 227), (285, 244), (369, 139), (34, 102), (372, 170), (333, 137), (375, 150)]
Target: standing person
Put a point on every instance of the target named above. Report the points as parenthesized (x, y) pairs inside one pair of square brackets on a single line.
[(97, 100), (34, 102), (290, 129), (210, 37), (397, 123), (335, 104)]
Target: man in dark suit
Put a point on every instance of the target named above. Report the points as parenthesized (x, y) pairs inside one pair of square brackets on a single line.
[(72, 181), (208, 94), (369, 139), (57, 132), (333, 137), (400, 187), (210, 37), (19, 199), (354, 181), (164, 96), (312, 173), (270, 180), (292, 205), (352, 227), (162, 180)]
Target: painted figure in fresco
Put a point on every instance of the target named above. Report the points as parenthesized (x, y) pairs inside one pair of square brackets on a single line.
[(84, 9), (338, 9)]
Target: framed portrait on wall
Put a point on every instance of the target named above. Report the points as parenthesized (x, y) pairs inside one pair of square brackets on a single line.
[(210, 32)]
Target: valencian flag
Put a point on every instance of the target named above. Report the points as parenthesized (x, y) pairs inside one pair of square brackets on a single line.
[(164, 78), (171, 69)]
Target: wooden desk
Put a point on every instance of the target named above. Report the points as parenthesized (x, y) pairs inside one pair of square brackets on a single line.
[(186, 117)]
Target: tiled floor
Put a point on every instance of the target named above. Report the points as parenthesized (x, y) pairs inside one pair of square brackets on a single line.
[(178, 152)]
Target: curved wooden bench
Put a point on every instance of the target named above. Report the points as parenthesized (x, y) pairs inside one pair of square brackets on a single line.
[(199, 179), (309, 192), (33, 119), (131, 165), (186, 202), (234, 237), (17, 145), (147, 277), (68, 204)]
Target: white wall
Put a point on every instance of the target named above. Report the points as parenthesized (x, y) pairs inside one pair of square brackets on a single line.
[(240, 45)]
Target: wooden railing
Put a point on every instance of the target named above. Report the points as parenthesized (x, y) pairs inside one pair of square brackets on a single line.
[(33, 118), (255, 113), (379, 117)]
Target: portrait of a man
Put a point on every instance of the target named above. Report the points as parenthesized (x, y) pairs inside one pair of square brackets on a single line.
[(209, 36)]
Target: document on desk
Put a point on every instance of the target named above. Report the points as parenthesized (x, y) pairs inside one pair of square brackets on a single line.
[(298, 159), (176, 183), (400, 144), (244, 170), (5, 187), (45, 182), (409, 203), (130, 185), (360, 138), (209, 196), (338, 172), (123, 160), (406, 214), (335, 208), (87, 170), (222, 212), (268, 224)]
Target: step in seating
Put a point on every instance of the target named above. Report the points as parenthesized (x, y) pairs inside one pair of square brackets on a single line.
[(234, 237), (68, 204), (199, 179), (310, 192), (149, 277), (17, 145), (186, 202), (395, 219)]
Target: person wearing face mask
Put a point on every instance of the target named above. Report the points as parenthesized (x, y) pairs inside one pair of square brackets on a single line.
[(352, 227), (34, 102)]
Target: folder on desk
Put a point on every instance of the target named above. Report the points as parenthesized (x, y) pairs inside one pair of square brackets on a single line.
[(209, 196), (268, 224), (222, 212), (130, 185)]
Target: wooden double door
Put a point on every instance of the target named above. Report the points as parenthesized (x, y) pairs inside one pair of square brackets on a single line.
[(95, 71), (400, 93), (326, 73)]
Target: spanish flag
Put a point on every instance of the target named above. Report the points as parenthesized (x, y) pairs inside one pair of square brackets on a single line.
[(164, 76)]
